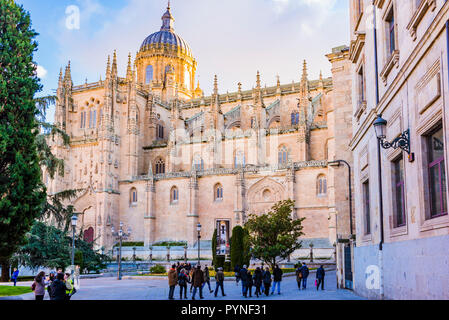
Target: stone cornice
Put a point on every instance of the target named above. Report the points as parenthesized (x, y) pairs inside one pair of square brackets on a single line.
[(418, 15), (356, 47)]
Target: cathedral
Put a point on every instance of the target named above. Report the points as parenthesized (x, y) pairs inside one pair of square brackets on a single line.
[(152, 151)]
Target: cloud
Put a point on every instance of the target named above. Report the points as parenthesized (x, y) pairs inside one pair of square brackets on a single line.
[(41, 72)]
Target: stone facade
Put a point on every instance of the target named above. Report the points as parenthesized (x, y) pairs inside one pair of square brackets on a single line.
[(408, 86), (153, 152)]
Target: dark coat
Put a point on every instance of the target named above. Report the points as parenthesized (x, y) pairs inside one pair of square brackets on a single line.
[(320, 273), (249, 280), (266, 277), (183, 279), (58, 290), (305, 271), (257, 277), (277, 274), (244, 276), (197, 278), (172, 277)]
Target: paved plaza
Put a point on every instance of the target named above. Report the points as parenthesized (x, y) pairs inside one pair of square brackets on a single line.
[(157, 289)]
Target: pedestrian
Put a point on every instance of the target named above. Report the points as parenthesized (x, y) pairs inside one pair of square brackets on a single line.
[(38, 286), (257, 280), (50, 280), (249, 284), (183, 280), (15, 276), (244, 279), (267, 281), (70, 291), (197, 282), (320, 273), (305, 274), (219, 278), (299, 275), (237, 274), (207, 278), (172, 281), (58, 288), (277, 278)]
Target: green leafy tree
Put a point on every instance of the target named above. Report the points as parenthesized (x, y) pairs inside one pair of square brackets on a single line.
[(239, 250), (51, 247), (274, 236), (22, 193)]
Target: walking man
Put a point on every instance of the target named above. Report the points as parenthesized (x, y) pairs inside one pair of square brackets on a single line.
[(305, 274), (277, 278), (320, 273), (197, 282), (172, 281), (249, 284), (207, 278), (244, 278), (219, 278), (257, 281)]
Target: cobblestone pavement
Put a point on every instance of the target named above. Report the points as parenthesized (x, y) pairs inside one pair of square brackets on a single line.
[(157, 289)]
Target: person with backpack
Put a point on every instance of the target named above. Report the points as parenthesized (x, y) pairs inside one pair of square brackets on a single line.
[(183, 280), (305, 274), (277, 278), (70, 291), (219, 278), (38, 286), (299, 275), (15, 276), (320, 273), (58, 288), (172, 281), (257, 280), (266, 278)]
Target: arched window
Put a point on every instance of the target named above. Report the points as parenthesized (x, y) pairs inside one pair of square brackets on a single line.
[(83, 120), (321, 185), (174, 195), (282, 155), (133, 196), (295, 118), (149, 74), (92, 118), (160, 166), (239, 159), (218, 192), (198, 163), (89, 235), (160, 132)]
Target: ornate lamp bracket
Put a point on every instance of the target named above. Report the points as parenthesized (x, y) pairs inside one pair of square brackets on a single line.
[(403, 142)]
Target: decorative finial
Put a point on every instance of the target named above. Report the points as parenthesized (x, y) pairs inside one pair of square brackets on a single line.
[(215, 85)]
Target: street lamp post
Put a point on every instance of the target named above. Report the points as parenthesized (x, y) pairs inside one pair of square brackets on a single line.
[(198, 228), (338, 163), (403, 142), (74, 221), (120, 235)]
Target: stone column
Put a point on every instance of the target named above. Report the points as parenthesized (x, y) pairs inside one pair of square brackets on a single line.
[(193, 214), (291, 182), (150, 214)]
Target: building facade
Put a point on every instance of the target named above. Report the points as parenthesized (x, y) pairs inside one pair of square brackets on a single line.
[(399, 51), (152, 151)]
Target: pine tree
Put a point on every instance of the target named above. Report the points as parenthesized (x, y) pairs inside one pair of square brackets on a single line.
[(239, 252), (22, 193)]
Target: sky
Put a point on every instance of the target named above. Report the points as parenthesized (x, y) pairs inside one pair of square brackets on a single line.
[(232, 39)]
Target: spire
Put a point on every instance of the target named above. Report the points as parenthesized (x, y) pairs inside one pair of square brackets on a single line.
[(304, 71), (68, 74), (129, 71), (167, 20), (215, 86), (114, 64), (278, 85), (258, 80), (108, 67), (60, 81)]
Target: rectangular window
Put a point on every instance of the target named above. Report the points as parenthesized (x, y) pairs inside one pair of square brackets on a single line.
[(366, 207), (398, 193), (361, 84), (437, 174), (391, 35)]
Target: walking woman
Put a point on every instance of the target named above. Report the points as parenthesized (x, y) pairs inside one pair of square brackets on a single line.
[(183, 279), (257, 277), (39, 286), (267, 281)]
